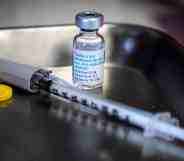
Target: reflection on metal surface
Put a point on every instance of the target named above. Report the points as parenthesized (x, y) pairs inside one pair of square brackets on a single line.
[(134, 89), (64, 73), (149, 75), (37, 132), (132, 68), (50, 46), (150, 148), (5, 104)]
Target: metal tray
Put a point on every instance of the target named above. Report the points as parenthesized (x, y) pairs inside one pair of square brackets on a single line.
[(144, 68)]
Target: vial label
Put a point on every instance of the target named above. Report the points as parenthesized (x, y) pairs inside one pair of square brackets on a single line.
[(88, 66)]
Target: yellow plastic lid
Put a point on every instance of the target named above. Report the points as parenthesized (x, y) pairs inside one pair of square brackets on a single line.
[(6, 92)]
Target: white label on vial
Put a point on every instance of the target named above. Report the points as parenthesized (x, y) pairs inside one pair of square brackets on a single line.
[(88, 66)]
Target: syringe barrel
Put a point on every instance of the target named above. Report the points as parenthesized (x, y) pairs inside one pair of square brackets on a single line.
[(17, 74)]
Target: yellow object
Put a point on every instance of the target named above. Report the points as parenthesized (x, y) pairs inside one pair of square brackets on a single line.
[(5, 104), (6, 92)]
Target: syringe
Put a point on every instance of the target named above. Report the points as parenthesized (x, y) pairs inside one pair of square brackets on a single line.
[(33, 79)]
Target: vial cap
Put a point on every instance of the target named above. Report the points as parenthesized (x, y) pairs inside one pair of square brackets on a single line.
[(89, 20)]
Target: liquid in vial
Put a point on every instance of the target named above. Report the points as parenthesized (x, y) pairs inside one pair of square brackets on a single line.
[(88, 51)]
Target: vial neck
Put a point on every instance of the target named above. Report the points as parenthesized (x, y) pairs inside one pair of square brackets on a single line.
[(88, 32)]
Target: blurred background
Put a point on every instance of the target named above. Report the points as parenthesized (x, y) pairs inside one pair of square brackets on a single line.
[(166, 15)]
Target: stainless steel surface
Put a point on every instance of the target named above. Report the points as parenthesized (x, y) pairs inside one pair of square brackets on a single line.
[(41, 127), (47, 46), (144, 68), (166, 15)]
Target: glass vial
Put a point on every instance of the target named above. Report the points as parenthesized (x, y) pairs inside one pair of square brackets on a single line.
[(88, 51)]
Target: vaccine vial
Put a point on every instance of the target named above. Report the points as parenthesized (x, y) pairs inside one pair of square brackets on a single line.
[(88, 51)]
